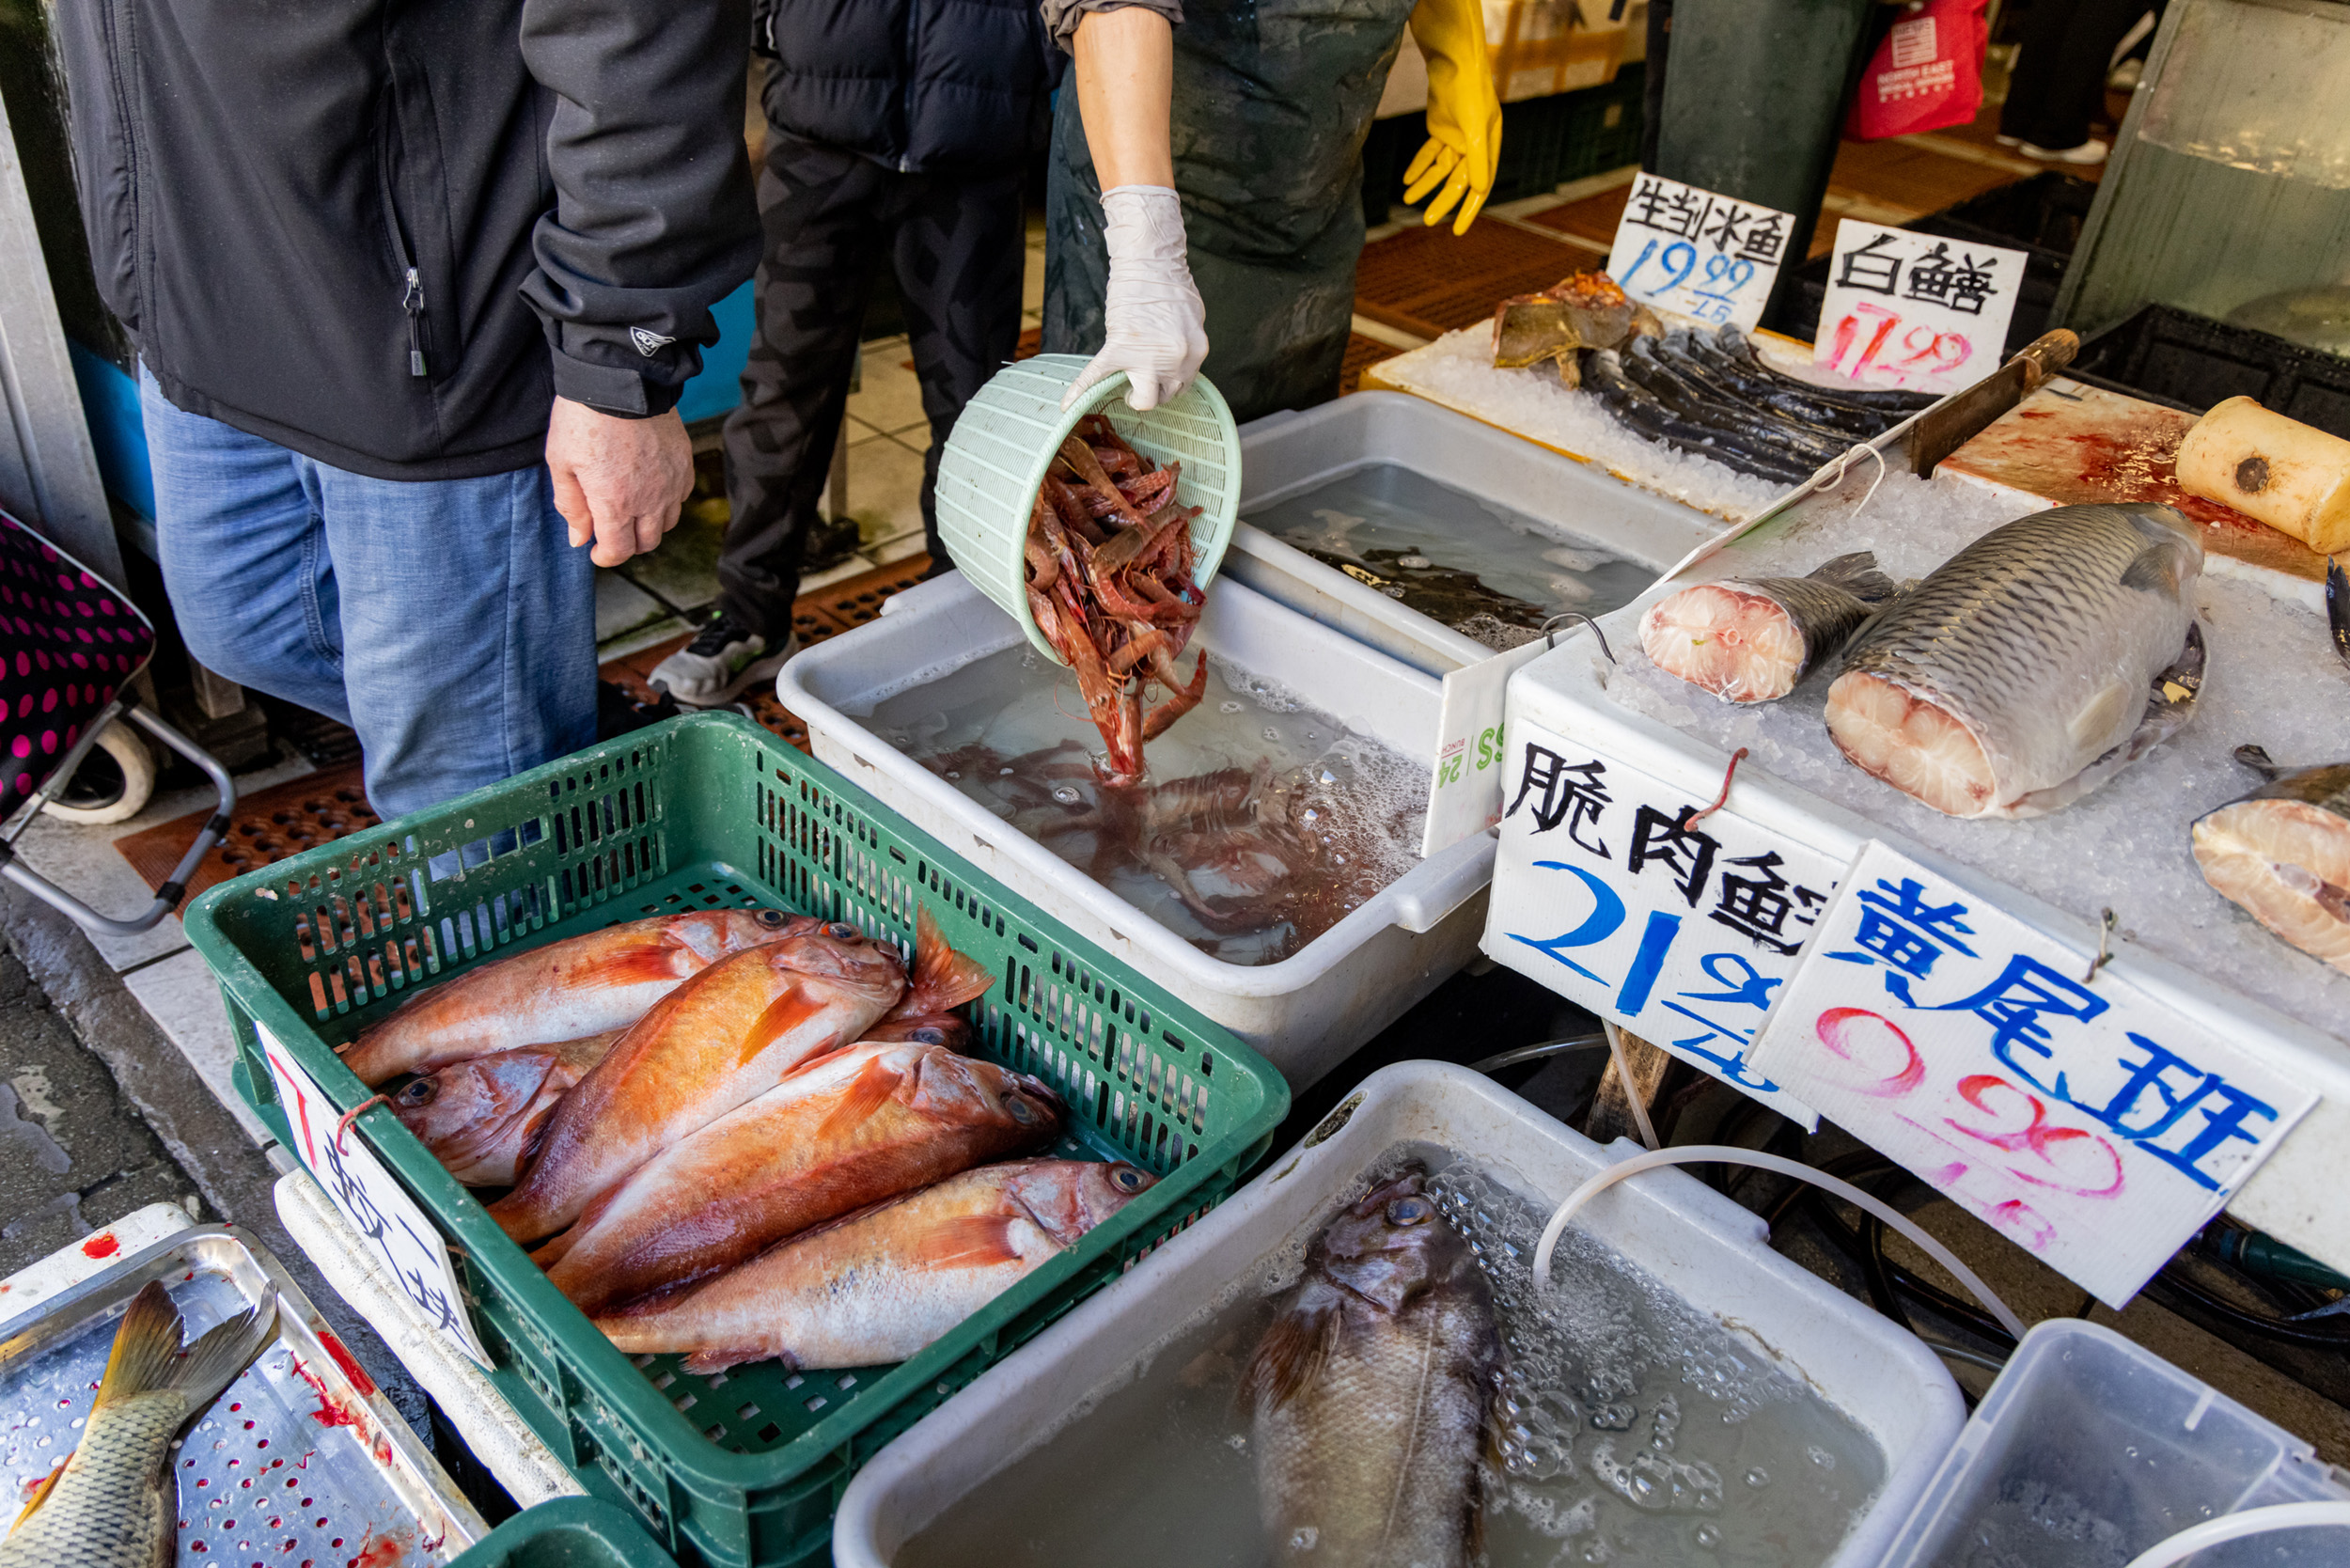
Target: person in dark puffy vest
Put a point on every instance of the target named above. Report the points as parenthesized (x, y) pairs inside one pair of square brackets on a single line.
[(898, 134)]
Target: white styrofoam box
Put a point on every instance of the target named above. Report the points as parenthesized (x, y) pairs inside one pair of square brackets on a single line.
[(1303, 1013), (1688, 1238), (2295, 1195), (1284, 454), (2097, 1428)]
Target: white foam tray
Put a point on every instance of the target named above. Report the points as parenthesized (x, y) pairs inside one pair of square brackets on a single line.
[(1287, 454), (1695, 1242), (1303, 1013)]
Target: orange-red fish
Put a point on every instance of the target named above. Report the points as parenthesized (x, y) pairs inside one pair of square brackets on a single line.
[(724, 1037), (880, 1285), (568, 990), (478, 1117), (854, 1128), (943, 978)]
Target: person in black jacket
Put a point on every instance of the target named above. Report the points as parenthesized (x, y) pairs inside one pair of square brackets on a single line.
[(898, 131), (415, 286)]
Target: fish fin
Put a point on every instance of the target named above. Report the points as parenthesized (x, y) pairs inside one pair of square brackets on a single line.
[(784, 1014), (809, 1063), (702, 1363), (534, 1138), (217, 1358), (866, 1093), (1857, 574), (966, 1241), (2160, 568), (2170, 701), (41, 1489), (550, 1251), (1290, 1354), (943, 978)]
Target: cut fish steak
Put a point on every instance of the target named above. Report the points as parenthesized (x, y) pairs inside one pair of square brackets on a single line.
[(2032, 665), (2282, 853), (1755, 639)]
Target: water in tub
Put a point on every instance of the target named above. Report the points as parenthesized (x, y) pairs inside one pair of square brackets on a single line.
[(1484, 571), (1262, 824), (1638, 1430)]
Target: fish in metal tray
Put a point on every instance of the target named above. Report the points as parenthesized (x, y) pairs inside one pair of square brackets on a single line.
[(1370, 1394), (2283, 853), (114, 1503), (1752, 640), (2032, 667)]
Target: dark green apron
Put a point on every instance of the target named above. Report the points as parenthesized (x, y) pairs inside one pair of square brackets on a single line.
[(1272, 102)]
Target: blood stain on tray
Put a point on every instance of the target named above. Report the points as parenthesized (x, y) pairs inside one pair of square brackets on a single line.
[(343, 1358), (102, 1246)]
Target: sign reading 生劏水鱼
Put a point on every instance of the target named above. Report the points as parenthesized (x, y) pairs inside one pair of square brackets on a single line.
[(2076, 1115), (1698, 253), (1915, 312), (1680, 932)]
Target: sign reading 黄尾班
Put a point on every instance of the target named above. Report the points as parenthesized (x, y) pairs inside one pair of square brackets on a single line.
[(1683, 932), (1915, 312), (2073, 1114), (1698, 253)]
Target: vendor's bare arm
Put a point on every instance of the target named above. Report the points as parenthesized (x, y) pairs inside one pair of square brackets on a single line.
[(1125, 78)]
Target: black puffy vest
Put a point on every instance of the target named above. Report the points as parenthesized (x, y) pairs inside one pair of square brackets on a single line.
[(937, 86)]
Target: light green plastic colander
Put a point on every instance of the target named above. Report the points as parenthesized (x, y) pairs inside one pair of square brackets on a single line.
[(1006, 437)]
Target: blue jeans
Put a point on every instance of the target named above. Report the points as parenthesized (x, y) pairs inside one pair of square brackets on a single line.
[(448, 621)]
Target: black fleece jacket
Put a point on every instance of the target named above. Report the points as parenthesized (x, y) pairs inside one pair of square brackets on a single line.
[(387, 233)]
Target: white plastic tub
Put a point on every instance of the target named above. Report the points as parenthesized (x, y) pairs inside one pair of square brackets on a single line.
[(1304, 1012), (2096, 1435), (1693, 1242), (1287, 453)]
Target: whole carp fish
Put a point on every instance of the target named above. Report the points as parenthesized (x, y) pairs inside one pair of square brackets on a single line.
[(480, 1117), (1755, 639), (727, 1036), (851, 1129), (114, 1504), (582, 985), (880, 1285), (1370, 1393), (2032, 665), (2283, 853)]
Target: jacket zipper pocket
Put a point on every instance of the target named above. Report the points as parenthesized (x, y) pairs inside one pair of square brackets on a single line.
[(412, 289)]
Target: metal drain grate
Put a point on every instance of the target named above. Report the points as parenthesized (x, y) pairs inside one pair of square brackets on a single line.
[(266, 827)]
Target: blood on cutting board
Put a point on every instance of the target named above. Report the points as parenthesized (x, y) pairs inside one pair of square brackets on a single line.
[(102, 1246), (343, 1358)]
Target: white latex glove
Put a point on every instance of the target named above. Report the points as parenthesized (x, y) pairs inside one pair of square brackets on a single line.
[(1156, 329)]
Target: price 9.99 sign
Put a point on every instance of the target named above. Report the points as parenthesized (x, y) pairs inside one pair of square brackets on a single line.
[(2075, 1114), (1915, 312), (1696, 254)]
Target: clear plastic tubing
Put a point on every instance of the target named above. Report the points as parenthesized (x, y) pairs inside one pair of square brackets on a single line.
[(2235, 1527), (1721, 1153)]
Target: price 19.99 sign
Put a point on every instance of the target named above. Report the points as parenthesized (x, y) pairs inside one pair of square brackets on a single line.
[(1915, 312), (1695, 253)]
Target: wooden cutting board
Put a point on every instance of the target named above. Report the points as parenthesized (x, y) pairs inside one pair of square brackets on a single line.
[(2069, 442)]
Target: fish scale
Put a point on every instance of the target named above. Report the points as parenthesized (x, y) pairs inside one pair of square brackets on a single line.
[(118, 1518)]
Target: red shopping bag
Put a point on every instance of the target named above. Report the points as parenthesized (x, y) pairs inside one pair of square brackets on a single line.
[(1926, 74)]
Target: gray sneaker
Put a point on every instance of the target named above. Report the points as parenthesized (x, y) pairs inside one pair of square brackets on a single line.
[(722, 661)]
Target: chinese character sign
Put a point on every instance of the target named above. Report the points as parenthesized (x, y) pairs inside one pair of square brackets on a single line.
[(2077, 1116), (373, 1202), (1915, 311), (1464, 790), (1683, 932), (1696, 254)]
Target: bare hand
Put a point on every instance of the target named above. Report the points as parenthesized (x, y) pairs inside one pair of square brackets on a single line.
[(619, 482)]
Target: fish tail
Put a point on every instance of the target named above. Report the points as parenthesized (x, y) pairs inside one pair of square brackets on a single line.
[(146, 1355), (943, 978)]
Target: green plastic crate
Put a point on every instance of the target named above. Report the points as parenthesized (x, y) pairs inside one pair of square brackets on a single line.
[(743, 1467), (566, 1532)]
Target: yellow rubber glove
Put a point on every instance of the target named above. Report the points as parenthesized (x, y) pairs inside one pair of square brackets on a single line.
[(1464, 111)]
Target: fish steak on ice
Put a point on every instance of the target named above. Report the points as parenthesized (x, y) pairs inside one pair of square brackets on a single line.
[(2282, 853), (2032, 665), (727, 1036), (582, 985), (1372, 1391), (114, 1504), (480, 1117), (854, 1128), (1753, 639), (882, 1284)]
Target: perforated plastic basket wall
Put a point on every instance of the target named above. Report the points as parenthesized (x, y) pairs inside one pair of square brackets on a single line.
[(742, 1467), (1006, 437)]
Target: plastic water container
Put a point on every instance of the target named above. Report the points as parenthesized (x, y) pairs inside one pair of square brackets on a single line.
[(1289, 453), (2089, 1449), (1693, 1242), (1303, 1013), (1009, 435)]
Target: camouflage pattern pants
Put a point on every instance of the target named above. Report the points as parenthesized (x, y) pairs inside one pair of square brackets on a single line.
[(832, 219)]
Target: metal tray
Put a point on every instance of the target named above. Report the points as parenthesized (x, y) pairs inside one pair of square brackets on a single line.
[(301, 1461)]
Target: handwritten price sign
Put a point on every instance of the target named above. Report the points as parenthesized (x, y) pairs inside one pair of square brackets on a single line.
[(1915, 311), (1680, 933), (1698, 253), (373, 1202), (2076, 1116)]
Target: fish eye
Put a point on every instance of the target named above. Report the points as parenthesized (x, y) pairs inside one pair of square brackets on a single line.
[(1019, 1108), (771, 917), (1125, 1178), (419, 1093), (1411, 1211), (840, 930), (929, 1034)]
